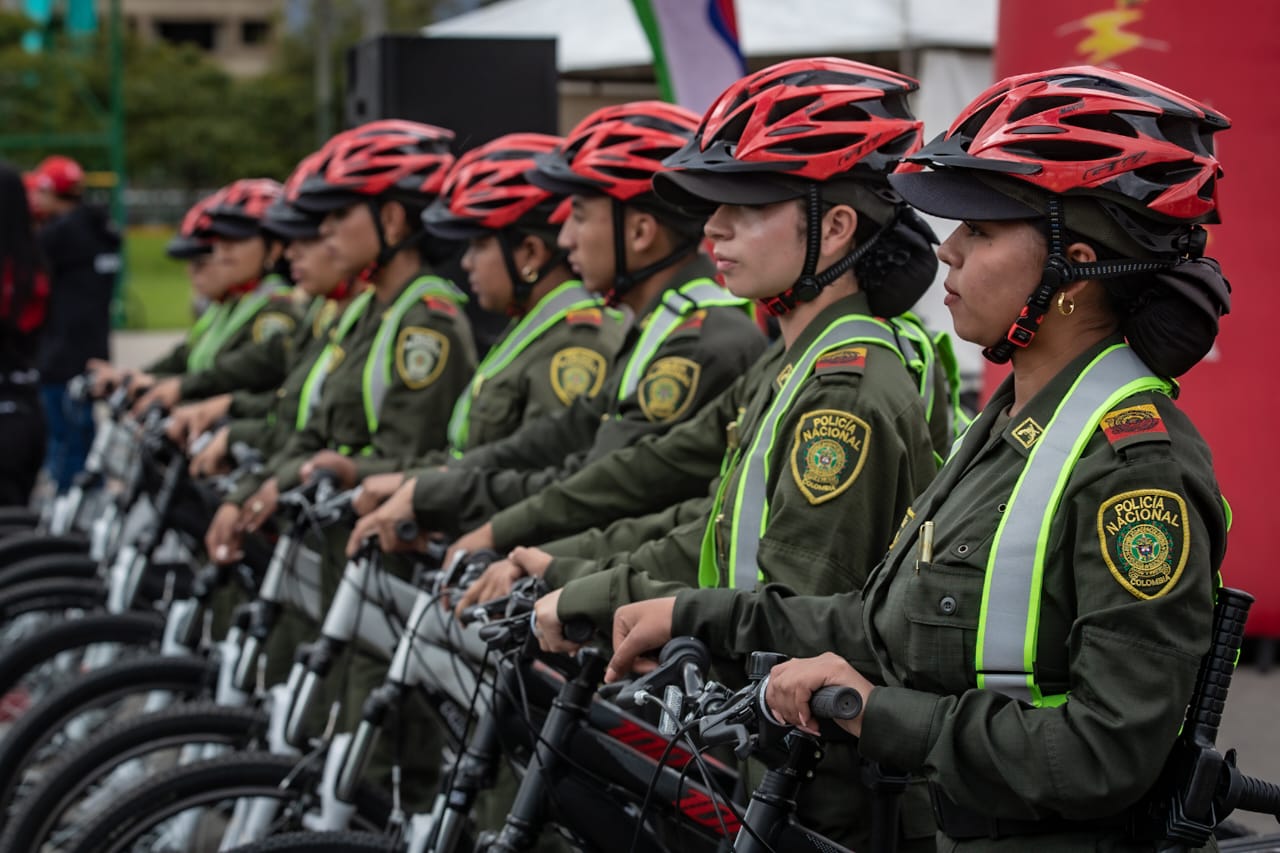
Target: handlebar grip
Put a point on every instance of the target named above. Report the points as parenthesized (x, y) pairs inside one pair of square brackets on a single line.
[(1218, 665), (406, 530), (1259, 796), (579, 630), (835, 703)]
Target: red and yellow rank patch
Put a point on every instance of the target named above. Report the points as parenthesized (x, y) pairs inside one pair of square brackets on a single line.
[(1133, 421)]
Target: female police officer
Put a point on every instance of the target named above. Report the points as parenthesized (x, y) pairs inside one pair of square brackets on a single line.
[(1030, 641)]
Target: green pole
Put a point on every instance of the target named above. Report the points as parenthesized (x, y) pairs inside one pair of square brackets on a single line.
[(116, 150)]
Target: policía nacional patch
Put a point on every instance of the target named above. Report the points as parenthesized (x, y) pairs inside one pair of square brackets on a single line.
[(421, 355), (577, 372), (269, 323), (828, 452), (667, 388), (1145, 540)]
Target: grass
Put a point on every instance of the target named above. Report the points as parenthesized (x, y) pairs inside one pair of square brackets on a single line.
[(156, 293)]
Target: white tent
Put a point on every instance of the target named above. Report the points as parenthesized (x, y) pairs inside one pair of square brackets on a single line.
[(603, 57)]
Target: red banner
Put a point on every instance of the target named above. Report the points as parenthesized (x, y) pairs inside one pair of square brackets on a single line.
[(1224, 55)]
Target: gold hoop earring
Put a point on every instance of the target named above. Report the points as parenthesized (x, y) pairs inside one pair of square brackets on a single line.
[(1066, 305), (530, 274)]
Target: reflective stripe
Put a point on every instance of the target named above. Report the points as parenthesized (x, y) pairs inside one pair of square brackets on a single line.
[(377, 368), (550, 310), (230, 321), (1010, 617), (751, 509), (679, 303), (313, 387)]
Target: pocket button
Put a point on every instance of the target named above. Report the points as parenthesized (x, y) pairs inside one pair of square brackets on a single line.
[(947, 605)]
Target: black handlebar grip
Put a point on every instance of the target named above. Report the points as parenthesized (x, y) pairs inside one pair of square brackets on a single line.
[(835, 703), (1259, 796), (579, 630), (1209, 697), (406, 530)]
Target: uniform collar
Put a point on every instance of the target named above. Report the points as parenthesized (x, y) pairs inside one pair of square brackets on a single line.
[(699, 266), (855, 303), (1023, 431)]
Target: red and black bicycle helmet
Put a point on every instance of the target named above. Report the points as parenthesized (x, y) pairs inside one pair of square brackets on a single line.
[(820, 129), (1110, 155), (238, 212), (615, 152), (388, 159), (192, 239)]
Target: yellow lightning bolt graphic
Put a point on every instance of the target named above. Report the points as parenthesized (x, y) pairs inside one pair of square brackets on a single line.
[(1108, 37)]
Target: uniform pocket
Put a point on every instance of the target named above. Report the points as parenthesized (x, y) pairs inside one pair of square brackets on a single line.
[(942, 608), (494, 415)]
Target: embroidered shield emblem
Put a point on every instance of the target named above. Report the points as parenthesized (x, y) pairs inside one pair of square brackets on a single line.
[(668, 388), (1144, 540), (421, 355), (577, 372), (269, 323), (828, 453)]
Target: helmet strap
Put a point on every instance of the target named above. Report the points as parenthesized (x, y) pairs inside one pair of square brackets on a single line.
[(624, 281), (1058, 272), (386, 251), (810, 284)]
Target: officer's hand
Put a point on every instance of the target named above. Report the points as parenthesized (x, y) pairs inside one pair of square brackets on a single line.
[(222, 539), (496, 582), (375, 490), (382, 523), (640, 627), (212, 459), (139, 384), (189, 421), (261, 506), (342, 466), (547, 627), (533, 561), (164, 393), (477, 540), (792, 683), (103, 377)]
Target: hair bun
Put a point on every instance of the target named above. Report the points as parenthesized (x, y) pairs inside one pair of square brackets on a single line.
[(1174, 324)]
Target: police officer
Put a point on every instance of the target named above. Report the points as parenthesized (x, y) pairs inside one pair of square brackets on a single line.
[(1030, 641), (249, 327), (689, 340)]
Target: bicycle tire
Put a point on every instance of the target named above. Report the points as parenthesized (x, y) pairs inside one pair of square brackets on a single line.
[(39, 814), (22, 546), (48, 566), (138, 629), (18, 516), (232, 776), (186, 676), (56, 595), (321, 842)]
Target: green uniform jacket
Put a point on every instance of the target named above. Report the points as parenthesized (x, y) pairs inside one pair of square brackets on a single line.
[(432, 362), (691, 367), (808, 541), (1128, 661), (279, 316), (261, 366), (568, 360), (268, 428)]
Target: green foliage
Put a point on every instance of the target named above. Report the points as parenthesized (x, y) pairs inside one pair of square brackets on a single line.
[(156, 292)]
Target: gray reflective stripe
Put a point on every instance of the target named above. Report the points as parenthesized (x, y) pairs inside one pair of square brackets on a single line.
[(570, 296), (751, 509), (313, 386), (1010, 617), (227, 323), (377, 368), (697, 294)]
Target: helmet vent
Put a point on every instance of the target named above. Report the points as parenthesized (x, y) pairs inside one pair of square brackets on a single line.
[(1101, 122), (1065, 150), (1034, 106)]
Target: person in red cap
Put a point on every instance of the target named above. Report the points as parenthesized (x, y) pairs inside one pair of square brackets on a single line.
[(81, 248)]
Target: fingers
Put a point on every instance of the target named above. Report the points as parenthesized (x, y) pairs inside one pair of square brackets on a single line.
[(359, 533)]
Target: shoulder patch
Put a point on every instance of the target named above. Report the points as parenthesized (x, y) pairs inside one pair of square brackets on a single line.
[(421, 355), (845, 359), (668, 388), (1145, 540), (1133, 424), (269, 323), (325, 318), (693, 322), (828, 452), (584, 317), (577, 372), (444, 306)]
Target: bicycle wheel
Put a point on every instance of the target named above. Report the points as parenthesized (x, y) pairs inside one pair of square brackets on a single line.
[(35, 664), (321, 842), (53, 596), (117, 757), (21, 546), (90, 703), (145, 819), (47, 566)]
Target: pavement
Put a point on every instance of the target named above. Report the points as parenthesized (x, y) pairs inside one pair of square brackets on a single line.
[(1249, 724)]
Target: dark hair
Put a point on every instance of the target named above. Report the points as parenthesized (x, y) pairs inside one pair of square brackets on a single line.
[(20, 262)]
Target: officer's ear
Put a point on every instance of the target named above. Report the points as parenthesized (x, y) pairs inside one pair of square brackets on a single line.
[(532, 252), (394, 220), (643, 232)]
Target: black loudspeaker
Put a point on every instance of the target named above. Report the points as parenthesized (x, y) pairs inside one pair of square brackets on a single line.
[(480, 88)]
